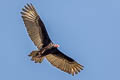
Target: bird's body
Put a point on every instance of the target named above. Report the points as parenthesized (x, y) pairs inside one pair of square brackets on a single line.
[(46, 48)]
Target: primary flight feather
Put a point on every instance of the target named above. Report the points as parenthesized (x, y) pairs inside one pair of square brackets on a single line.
[(46, 48)]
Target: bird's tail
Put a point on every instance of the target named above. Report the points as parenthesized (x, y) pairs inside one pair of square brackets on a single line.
[(34, 55)]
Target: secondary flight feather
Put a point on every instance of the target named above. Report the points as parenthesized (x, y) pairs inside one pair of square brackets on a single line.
[(46, 48)]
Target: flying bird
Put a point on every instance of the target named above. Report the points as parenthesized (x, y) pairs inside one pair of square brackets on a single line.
[(46, 48)]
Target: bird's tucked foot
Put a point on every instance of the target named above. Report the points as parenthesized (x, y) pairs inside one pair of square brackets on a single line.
[(36, 56)]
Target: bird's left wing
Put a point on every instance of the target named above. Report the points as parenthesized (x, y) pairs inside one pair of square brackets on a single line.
[(35, 27), (63, 62)]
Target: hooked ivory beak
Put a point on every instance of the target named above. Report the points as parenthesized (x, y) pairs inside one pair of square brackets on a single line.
[(56, 45)]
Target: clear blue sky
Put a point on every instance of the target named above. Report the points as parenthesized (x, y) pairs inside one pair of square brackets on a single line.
[(86, 30)]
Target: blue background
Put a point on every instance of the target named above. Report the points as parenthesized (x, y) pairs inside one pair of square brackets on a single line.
[(86, 30)]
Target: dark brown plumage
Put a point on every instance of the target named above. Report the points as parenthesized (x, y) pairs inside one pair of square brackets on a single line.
[(46, 48)]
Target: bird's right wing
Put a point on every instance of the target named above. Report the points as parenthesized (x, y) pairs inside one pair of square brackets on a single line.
[(63, 62), (35, 26)]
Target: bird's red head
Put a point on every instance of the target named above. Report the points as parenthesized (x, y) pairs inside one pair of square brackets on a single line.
[(56, 45)]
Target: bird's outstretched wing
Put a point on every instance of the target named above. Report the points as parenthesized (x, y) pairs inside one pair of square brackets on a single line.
[(35, 26), (63, 62)]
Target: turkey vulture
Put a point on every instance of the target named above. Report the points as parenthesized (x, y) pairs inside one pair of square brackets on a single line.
[(46, 48)]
